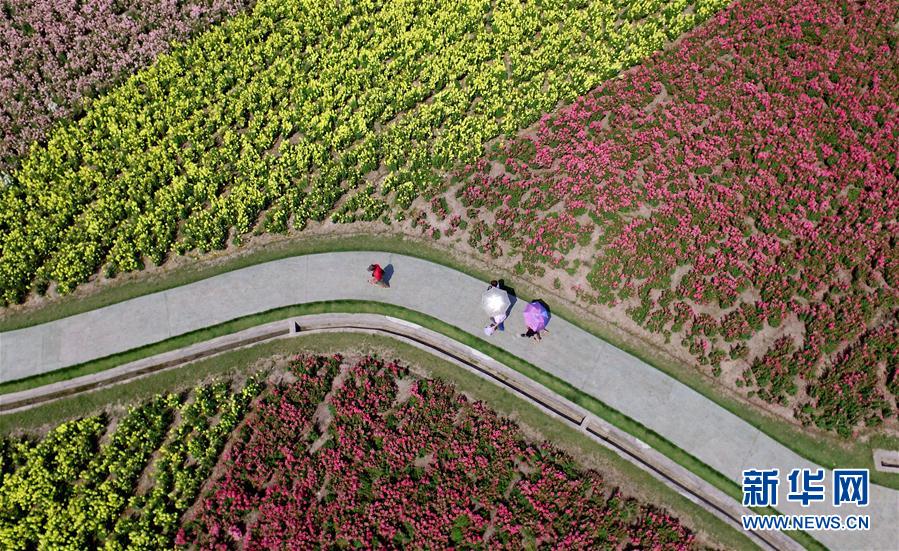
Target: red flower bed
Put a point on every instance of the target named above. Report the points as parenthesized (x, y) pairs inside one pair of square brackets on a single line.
[(741, 190), (423, 468)]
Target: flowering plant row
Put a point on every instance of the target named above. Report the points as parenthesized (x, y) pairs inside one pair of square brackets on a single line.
[(286, 109), (56, 55), (739, 192), (86, 496), (363, 455), (70, 491), (849, 391)]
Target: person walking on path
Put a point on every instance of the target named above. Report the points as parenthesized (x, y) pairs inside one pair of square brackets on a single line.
[(536, 316), (536, 335), (496, 322), (377, 276), (496, 304)]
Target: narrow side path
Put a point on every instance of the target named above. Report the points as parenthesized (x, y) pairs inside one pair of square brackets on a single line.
[(684, 417)]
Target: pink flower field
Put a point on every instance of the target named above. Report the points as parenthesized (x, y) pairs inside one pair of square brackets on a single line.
[(737, 196), (362, 454)]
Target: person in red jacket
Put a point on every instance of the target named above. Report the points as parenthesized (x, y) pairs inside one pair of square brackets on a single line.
[(377, 275)]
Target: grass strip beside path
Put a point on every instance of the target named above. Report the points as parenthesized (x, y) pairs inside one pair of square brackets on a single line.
[(823, 449)]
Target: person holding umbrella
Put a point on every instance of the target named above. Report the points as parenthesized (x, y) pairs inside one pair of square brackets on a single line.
[(496, 303), (536, 316)]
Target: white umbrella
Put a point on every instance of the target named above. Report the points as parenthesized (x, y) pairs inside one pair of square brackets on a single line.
[(495, 301)]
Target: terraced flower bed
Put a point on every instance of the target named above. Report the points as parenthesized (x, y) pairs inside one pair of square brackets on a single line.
[(57, 55), (332, 453), (737, 196), (289, 108)]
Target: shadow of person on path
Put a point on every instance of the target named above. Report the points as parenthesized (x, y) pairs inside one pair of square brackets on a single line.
[(388, 273), (501, 284)]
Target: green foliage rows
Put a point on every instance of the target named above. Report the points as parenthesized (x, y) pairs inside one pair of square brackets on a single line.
[(185, 462), (288, 109), (72, 490), (89, 485)]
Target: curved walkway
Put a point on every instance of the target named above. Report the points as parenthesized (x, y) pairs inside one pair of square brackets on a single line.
[(684, 417)]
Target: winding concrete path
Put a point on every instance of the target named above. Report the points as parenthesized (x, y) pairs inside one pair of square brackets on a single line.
[(686, 418)]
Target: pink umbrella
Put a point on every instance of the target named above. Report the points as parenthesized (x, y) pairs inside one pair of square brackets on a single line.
[(536, 316)]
